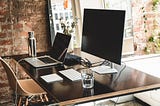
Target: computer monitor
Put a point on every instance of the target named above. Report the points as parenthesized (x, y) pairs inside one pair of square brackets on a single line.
[(102, 33)]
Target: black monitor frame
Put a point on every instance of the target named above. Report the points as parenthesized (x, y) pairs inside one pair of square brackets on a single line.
[(102, 33)]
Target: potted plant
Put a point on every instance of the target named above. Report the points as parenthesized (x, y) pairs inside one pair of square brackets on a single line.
[(68, 28)]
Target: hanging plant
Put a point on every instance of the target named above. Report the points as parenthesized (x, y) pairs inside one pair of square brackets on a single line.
[(154, 4), (153, 42), (144, 19), (151, 39)]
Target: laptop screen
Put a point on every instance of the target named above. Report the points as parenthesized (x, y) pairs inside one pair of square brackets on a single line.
[(60, 46)]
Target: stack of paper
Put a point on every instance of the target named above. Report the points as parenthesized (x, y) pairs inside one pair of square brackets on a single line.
[(51, 78), (103, 69)]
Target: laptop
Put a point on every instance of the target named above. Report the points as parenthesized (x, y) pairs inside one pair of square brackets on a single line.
[(57, 53)]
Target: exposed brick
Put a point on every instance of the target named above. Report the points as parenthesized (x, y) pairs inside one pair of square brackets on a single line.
[(2, 3), (3, 12), (5, 92), (24, 16), (6, 27), (5, 84), (2, 35), (2, 19), (3, 76), (18, 26), (3, 50), (6, 42), (21, 48)]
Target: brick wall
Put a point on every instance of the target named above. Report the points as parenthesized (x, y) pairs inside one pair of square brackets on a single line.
[(17, 17), (140, 36)]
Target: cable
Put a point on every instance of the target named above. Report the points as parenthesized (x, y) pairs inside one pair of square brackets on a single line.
[(16, 71), (87, 63), (120, 71), (99, 63), (123, 67), (116, 101), (105, 62)]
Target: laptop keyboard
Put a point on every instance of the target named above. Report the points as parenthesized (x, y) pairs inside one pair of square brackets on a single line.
[(47, 60)]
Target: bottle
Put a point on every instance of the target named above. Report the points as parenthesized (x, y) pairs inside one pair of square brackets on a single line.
[(32, 44)]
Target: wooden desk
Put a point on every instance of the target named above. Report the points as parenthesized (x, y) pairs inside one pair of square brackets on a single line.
[(126, 81)]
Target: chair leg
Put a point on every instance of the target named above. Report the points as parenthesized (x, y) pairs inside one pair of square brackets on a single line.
[(45, 97), (26, 102), (19, 101), (41, 98)]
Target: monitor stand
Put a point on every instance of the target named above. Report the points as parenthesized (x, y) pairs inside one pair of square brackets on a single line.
[(103, 69)]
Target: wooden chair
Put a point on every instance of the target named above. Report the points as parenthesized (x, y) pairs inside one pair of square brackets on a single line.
[(24, 88)]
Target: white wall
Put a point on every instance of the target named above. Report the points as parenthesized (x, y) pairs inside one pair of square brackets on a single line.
[(128, 47), (90, 4)]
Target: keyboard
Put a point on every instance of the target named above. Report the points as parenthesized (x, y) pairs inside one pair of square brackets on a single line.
[(47, 60), (71, 74), (42, 61)]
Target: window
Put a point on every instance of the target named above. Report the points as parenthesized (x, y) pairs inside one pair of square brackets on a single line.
[(59, 10), (128, 43), (122, 5)]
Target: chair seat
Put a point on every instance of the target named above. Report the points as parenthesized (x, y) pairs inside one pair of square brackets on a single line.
[(31, 87), (27, 88)]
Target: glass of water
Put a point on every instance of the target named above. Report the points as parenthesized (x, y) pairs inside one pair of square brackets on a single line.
[(87, 78)]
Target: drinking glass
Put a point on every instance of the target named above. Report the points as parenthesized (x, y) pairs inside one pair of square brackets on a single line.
[(87, 78)]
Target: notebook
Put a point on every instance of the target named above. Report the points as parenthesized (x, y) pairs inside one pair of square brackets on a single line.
[(57, 53)]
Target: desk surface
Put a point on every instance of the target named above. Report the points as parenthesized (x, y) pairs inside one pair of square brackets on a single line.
[(124, 82)]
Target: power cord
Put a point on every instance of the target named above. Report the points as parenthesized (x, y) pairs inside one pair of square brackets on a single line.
[(115, 103), (105, 62), (124, 66), (87, 63), (120, 71)]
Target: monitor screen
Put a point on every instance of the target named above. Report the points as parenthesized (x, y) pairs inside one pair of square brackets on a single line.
[(102, 33)]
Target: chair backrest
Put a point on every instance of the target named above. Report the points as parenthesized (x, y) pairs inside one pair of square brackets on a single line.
[(12, 79)]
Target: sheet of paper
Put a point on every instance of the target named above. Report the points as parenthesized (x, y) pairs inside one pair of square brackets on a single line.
[(71, 74), (103, 69), (51, 78)]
